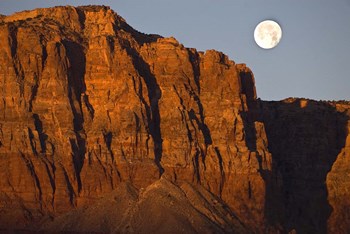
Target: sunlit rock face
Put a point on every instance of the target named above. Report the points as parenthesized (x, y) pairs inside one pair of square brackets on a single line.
[(91, 107)]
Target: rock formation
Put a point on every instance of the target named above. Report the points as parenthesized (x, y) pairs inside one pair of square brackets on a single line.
[(309, 142), (96, 117)]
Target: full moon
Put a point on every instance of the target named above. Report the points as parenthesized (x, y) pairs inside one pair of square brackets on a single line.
[(267, 34)]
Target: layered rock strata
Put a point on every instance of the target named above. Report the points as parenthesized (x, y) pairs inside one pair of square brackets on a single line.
[(90, 106), (89, 103), (309, 142)]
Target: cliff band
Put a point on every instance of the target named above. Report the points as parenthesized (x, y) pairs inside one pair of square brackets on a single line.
[(96, 114)]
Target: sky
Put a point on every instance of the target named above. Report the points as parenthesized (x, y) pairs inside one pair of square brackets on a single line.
[(312, 59)]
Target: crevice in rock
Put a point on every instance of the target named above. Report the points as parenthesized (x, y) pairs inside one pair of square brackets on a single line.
[(34, 91), (70, 188), (51, 175), (110, 41), (195, 60), (108, 136), (248, 88), (145, 116), (108, 116), (137, 133), (201, 121), (249, 190), (184, 112), (76, 87), (152, 110), (101, 163), (32, 141), (13, 39), (15, 61), (42, 136), (196, 165), (222, 172), (78, 155), (31, 169), (249, 131), (202, 127), (81, 16), (44, 51), (249, 116), (88, 105)]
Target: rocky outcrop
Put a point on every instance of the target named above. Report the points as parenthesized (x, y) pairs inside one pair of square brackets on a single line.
[(90, 106), (89, 103), (310, 147), (338, 179)]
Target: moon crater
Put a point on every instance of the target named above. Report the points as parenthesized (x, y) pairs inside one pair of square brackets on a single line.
[(267, 34)]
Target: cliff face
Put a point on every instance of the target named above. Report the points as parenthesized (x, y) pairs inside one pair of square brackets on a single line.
[(309, 142), (89, 104)]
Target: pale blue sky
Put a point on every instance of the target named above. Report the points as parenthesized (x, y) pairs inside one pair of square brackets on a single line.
[(312, 59)]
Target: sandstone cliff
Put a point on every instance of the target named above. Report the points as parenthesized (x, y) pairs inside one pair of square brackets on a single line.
[(309, 142), (89, 107)]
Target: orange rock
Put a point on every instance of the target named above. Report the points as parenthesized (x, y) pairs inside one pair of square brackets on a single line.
[(88, 104)]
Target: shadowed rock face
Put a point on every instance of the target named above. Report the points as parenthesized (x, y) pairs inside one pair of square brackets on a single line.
[(89, 106), (308, 142)]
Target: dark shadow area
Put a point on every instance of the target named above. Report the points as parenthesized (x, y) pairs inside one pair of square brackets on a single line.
[(70, 188), (274, 207), (13, 43), (152, 109), (76, 83), (305, 138), (13, 40), (201, 125), (44, 51), (32, 141), (111, 43), (78, 147), (137, 130), (76, 88), (248, 87), (218, 154), (249, 116), (42, 136), (249, 129), (194, 59), (34, 92), (108, 136), (82, 17)]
